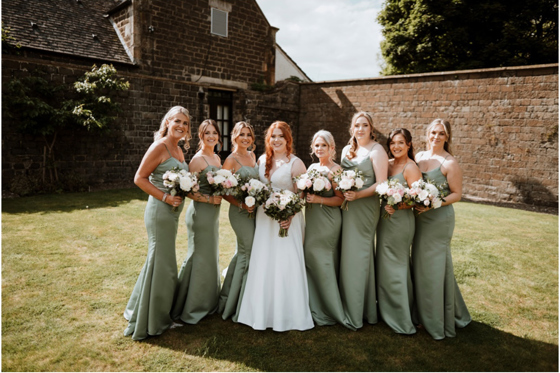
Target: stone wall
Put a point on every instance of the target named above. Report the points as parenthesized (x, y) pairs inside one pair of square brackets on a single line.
[(504, 122)]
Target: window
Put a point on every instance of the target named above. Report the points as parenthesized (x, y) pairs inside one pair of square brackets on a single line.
[(219, 22), (220, 110)]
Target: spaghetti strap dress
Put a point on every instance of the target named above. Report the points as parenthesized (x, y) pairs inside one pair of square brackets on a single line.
[(392, 259), (149, 309), (438, 301), (199, 279), (322, 255), (357, 268), (236, 277)]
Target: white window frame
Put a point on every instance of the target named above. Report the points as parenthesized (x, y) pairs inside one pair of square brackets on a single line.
[(212, 22)]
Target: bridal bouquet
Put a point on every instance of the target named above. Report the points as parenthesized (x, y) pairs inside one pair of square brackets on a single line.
[(223, 182), (391, 191), (281, 206), (180, 182), (313, 182), (252, 192), (425, 193), (348, 181)]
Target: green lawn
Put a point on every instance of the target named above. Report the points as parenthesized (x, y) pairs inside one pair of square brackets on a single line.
[(69, 263)]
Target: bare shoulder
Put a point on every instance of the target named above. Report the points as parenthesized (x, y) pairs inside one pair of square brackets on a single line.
[(336, 168), (450, 163), (419, 156), (197, 163), (229, 163)]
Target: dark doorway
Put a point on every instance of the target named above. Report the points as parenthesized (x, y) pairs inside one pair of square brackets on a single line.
[(220, 103)]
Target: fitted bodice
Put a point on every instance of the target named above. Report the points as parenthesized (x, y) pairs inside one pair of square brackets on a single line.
[(156, 177), (438, 178), (203, 183), (281, 178), (364, 165), (400, 178), (247, 171)]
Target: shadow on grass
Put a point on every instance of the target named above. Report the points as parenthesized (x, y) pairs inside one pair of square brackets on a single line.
[(71, 201), (478, 347)]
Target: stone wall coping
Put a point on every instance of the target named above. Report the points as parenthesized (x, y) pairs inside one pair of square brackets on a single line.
[(437, 74)]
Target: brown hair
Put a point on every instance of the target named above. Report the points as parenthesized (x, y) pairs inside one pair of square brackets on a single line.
[(202, 129), (407, 138), (353, 142), (287, 132), (446, 127)]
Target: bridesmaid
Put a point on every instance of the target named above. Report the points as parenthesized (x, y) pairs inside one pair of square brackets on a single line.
[(357, 271), (439, 303), (394, 238), (322, 239), (148, 310), (199, 279), (243, 162)]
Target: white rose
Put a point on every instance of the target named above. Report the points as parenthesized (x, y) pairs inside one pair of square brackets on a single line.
[(382, 189), (223, 172), (250, 201), (359, 183), (185, 183), (436, 203), (345, 184), (416, 184), (301, 184), (427, 203), (318, 185), (432, 189), (255, 184), (350, 174), (397, 197), (423, 195), (232, 180), (218, 179), (172, 176)]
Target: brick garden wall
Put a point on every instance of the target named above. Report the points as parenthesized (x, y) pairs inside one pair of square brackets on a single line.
[(504, 123)]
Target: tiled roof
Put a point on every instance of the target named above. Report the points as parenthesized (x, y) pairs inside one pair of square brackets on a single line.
[(76, 27)]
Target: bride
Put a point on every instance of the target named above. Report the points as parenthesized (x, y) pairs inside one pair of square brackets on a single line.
[(276, 294)]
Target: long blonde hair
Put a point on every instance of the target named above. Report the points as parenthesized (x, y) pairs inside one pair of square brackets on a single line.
[(446, 127), (236, 131), (164, 126), (353, 142)]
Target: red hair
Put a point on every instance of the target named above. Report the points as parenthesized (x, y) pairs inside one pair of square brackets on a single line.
[(287, 132)]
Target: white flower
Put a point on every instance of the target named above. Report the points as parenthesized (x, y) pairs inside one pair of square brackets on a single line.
[(185, 183), (382, 189), (423, 194), (359, 183), (172, 176), (416, 184), (319, 185), (345, 184), (256, 184), (223, 172), (436, 203), (397, 197), (218, 179), (426, 203), (233, 180), (350, 173), (301, 184), (250, 201), (432, 189)]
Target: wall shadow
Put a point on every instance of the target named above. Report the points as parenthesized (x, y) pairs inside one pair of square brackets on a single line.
[(478, 347), (68, 202), (533, 192)]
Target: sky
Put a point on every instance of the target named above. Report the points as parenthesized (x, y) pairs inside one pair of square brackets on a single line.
[(329, 39)]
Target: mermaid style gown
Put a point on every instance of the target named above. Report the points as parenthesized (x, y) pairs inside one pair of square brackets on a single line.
[(439, 303), (199, 279), (236, 277), (322, 250), (357, 269), (392, 259), (276, 294), (148, 310)]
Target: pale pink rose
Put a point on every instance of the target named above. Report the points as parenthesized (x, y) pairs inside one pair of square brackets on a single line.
[(308, 183), (390, 192), (244, 187), (427, 203), (227, 184), (250, 201), (328, 184), (210, 178)]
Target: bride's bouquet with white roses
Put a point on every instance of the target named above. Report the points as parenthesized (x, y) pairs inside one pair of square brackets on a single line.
[(179, 182), (223, 182), (252, 192), (348, 180), (391, 191), (281, 206), (425, 193), (313, 182)]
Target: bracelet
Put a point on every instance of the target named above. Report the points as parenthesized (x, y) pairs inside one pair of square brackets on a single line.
[(164, 197)]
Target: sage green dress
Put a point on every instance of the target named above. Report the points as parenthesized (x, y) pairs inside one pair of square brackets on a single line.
[(236, 277), (149, 309), (438, 301), (322, 251), (357, 269), (199, 279), (395, 294)]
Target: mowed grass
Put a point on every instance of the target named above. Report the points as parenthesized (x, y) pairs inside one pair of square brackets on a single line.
[(69, 263)]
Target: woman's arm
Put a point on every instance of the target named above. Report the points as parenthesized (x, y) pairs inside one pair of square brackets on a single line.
[(454, 175)]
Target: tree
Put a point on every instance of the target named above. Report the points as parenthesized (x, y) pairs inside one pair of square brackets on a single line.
[(40, 107), (442, 35)]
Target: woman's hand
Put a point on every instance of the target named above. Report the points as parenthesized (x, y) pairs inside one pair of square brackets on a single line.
[(173, 201), (351, 196), (215, 200), (285, 224), (247, 208), (313, 198), (389, 209), (421, 209)]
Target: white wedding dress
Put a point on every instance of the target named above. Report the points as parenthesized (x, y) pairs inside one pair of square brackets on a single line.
[(276, 294)]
